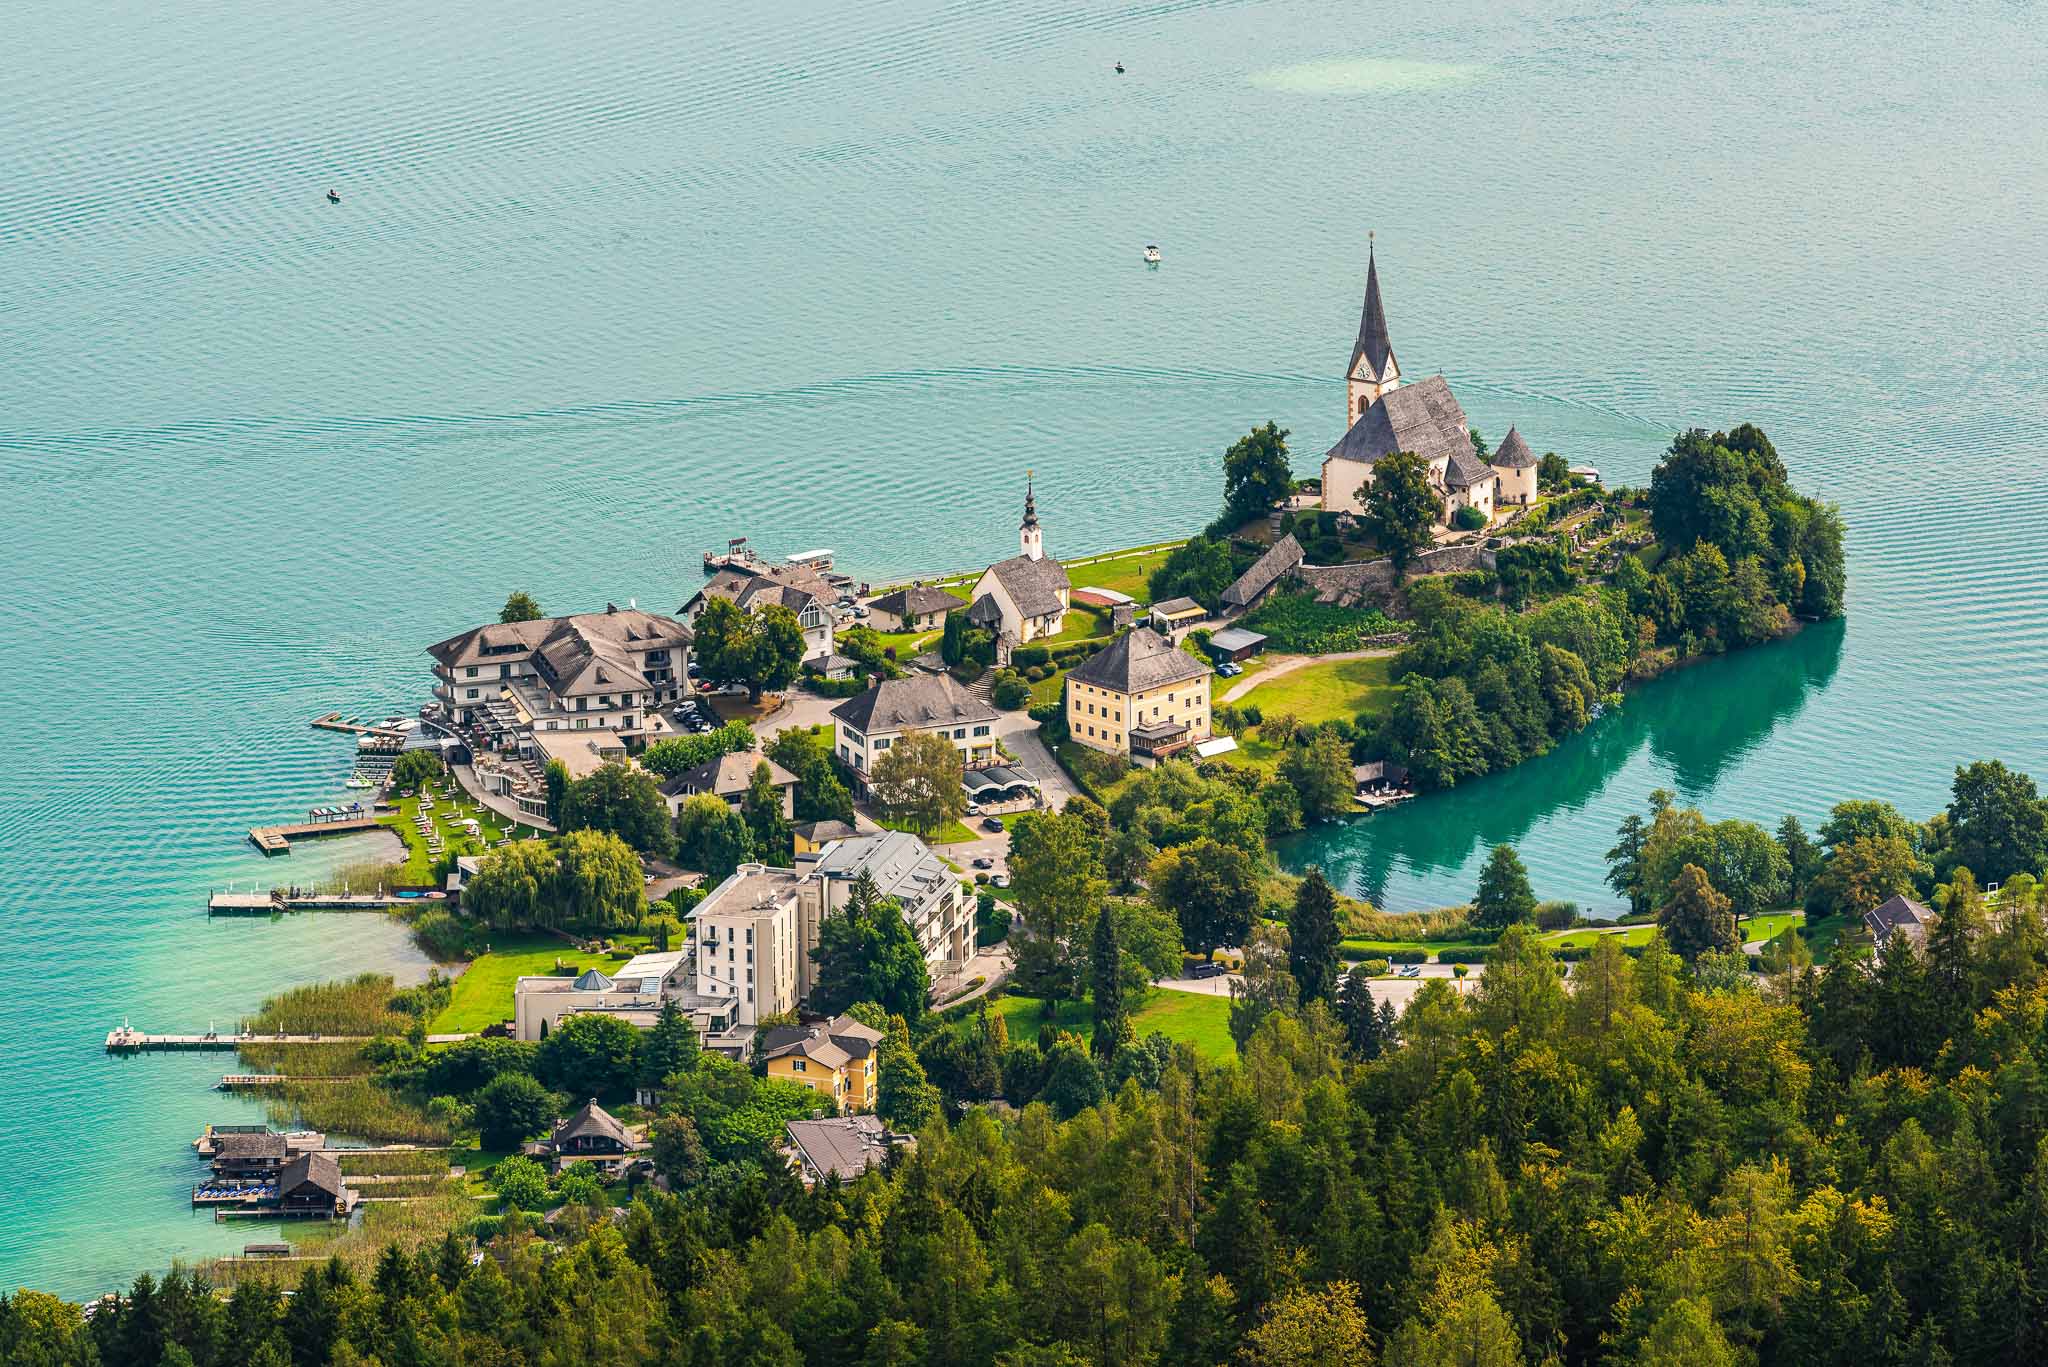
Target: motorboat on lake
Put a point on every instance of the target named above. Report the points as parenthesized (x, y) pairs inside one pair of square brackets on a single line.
[(1151, 255)]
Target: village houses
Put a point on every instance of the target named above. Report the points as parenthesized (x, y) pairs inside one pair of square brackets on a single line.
[(866, 726), (1141, 695)]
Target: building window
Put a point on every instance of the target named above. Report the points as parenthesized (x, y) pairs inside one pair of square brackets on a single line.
[(471, 692), (981, 730), (797, 1064), (469, 673)]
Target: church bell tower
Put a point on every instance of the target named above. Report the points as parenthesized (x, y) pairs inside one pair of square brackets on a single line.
[(1373, 369), (1029, 535)]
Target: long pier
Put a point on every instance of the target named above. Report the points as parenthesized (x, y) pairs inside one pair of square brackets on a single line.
[(278, 839), (235, 1082), (130, 1041), (280, 900), (127, 1040)]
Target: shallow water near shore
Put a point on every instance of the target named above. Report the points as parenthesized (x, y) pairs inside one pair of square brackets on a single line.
[(605, 289)]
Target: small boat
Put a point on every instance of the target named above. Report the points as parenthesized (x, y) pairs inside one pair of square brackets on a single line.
[(1119, 68), (333, 197), (1151, 256)]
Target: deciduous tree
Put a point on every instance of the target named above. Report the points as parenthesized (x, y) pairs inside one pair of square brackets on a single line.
[(711, 837), (520, 607), (1255, 473), (1211, 887), (598, 881), (623, 800), (916, 782), (1320, 773), (515, 886), (1401, 507)]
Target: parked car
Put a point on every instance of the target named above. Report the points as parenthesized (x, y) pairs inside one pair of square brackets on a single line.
[(984, 863), (1229, 670), (1208, 968), (992, 823), (1001, 880), (1411, 971)]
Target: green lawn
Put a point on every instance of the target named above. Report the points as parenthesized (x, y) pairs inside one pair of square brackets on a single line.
[(1129, 574), (1323, 692), (1197, 1017), (952, 833), (1752, 928), (1083, 624), (445, 813), (483, 994)]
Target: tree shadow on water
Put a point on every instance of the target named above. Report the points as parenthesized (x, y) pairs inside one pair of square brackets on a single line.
[(1696, 722)]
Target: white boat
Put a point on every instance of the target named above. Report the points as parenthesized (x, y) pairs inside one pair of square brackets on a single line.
[(1151, 256)]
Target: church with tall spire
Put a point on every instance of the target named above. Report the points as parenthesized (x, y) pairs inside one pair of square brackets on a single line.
[(1025, 598), (1383, 416)]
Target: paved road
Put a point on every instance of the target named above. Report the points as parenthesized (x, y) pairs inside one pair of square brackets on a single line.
[(1287, 664)]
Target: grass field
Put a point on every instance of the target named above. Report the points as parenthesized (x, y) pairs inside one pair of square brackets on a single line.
[(1125, 574), (445, 813), (483, 994), (1321, 692), (952, 833), (1200, 1019), (1752, 928)]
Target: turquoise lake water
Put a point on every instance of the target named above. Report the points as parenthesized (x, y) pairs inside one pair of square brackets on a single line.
[(605, 289)]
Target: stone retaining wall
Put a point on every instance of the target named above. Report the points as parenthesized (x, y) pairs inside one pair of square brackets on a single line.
[(1374, 578)]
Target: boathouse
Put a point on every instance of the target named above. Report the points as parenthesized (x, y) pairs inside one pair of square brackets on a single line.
[(311, 1185)]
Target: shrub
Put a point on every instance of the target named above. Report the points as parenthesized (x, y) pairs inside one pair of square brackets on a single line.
[(1296, 622), (521, 1183), (835, 688), (1023, 657), (1375, 968), (1461, 957), (1469, 519), (1556, 915), (1409, 956), (1458, 970), (1010, 691)]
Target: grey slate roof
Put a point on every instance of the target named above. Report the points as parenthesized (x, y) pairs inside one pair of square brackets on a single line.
[(1899, 915), (1514, 452), (1373, 345), (1466, 469), (1235, 639), (985, 611), (818, 832), (1138, 660), (310, 1170), (726, 774), (607, 647), (592, 1121), (1033, 585), (919, 702), (847, 1146), (1284, 556), (1423, 418), (915, 602)]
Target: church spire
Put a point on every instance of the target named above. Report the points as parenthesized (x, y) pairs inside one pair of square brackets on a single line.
[(1373, 346), (1029, 537), (1373, 368)]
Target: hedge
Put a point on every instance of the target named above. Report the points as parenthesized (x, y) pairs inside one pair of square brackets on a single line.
[(1023, 657), (835, 688), (1409, 956), (1461, 956)]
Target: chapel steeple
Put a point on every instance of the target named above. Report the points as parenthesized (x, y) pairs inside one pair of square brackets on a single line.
[(1028, 534), (1373, 369)]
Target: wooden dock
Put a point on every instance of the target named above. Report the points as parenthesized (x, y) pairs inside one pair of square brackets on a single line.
[(278, 839), (279, 900), (127, 1040), (235, 1082), (130, 1041), (333, 722)]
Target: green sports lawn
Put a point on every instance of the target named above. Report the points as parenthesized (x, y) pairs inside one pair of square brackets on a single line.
[(482, 996), (1129, 574), (1200, 1019)]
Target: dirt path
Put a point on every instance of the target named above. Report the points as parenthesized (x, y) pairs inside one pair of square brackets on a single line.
[(1289, 663)]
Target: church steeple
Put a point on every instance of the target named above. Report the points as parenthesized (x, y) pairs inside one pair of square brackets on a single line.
[(1028, 534), (1373, 369)]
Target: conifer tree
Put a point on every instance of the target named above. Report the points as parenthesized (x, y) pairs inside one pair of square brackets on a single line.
[(1112, 1024), (1697, 918), (1313, 938), (1504, 897)]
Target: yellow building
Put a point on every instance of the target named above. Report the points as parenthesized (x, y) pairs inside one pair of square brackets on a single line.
[(1141, 695), (837, 1059)]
